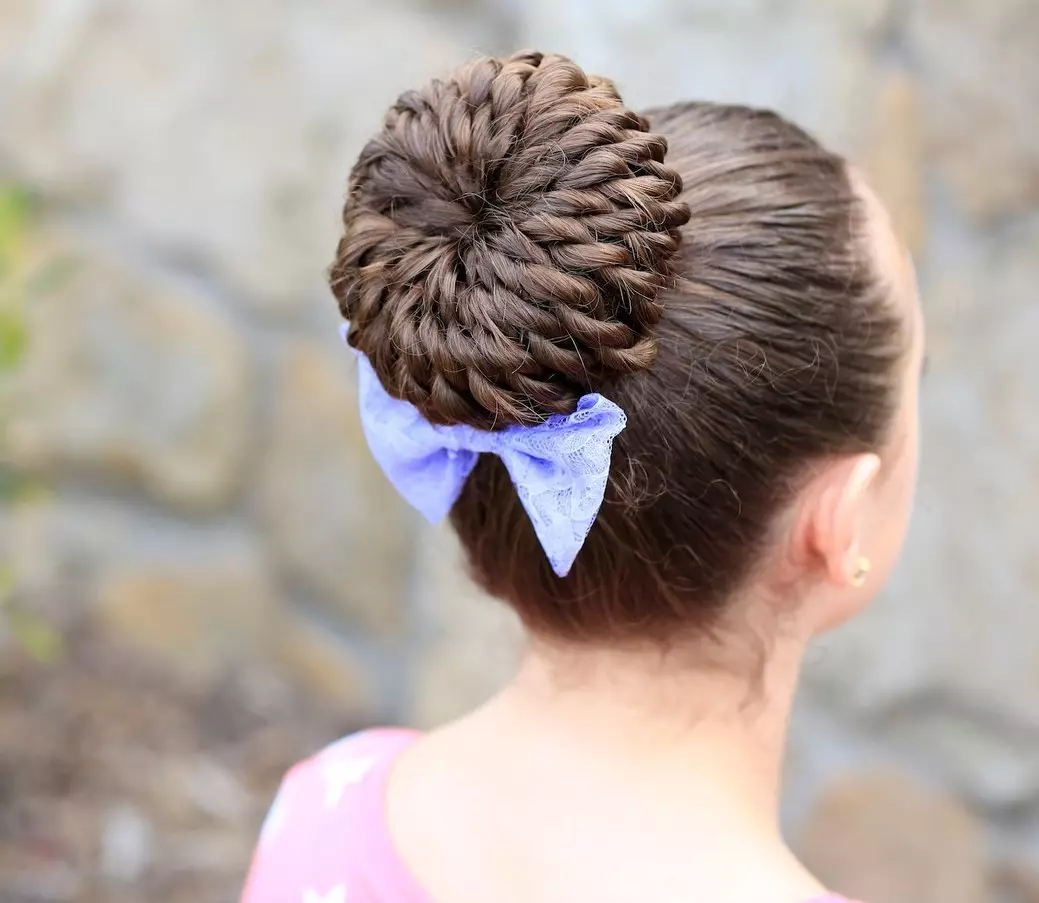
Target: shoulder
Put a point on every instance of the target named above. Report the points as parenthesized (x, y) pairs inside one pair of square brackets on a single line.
[(323, 817), (324, 780)]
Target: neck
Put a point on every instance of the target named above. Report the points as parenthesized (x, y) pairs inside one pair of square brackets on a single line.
[(664, 769), (684, 730)]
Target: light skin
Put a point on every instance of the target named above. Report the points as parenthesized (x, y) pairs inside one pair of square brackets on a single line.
[(635, 774)]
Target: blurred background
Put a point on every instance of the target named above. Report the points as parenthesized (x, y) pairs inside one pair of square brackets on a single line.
[(203, 576)]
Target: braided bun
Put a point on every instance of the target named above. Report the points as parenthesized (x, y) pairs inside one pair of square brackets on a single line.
[(506, 235)]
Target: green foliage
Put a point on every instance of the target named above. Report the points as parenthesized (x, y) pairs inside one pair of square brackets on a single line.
[(16, 211), (31, 633), (16, 208), (12, 339)]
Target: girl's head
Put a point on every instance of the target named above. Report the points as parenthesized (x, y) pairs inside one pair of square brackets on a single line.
[(515, 238)]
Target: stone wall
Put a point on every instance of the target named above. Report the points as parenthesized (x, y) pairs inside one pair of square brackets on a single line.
[(186, 397)]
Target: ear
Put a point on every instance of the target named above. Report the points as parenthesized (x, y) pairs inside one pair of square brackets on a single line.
[(837, 518)]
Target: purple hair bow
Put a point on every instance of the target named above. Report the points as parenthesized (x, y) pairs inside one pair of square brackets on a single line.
[(559, 467)]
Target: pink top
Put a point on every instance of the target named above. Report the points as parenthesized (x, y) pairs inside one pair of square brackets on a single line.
[(325, 839)]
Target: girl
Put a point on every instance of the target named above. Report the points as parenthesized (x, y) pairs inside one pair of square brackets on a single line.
[(661, 371)]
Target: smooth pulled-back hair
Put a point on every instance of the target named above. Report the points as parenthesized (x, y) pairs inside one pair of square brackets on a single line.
[(514, 237)]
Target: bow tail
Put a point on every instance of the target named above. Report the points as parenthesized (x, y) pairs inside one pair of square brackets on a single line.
[(560, 530)]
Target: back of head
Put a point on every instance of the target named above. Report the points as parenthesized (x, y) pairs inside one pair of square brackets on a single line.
[(515, 238)]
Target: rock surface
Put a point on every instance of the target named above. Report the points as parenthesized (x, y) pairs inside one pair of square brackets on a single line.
[(133, 380), (882, 837), (334, 521)]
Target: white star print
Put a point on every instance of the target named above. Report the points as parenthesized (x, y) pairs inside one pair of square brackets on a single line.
[(339, 773), (336, 895)]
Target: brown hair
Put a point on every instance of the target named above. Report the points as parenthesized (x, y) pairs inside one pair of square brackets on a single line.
[(514, 239)]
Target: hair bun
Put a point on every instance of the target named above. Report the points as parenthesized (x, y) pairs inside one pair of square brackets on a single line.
[(507, 233)]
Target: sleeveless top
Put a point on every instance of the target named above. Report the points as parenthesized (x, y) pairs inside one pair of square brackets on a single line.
[(325, 839)]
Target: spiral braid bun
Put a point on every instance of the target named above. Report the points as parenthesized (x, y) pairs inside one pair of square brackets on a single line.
[(506, 236)]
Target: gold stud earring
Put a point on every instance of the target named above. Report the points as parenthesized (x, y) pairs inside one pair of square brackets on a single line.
[(862, 567)]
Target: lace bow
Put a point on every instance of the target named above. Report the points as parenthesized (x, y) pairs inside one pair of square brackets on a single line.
[(559, 468)]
